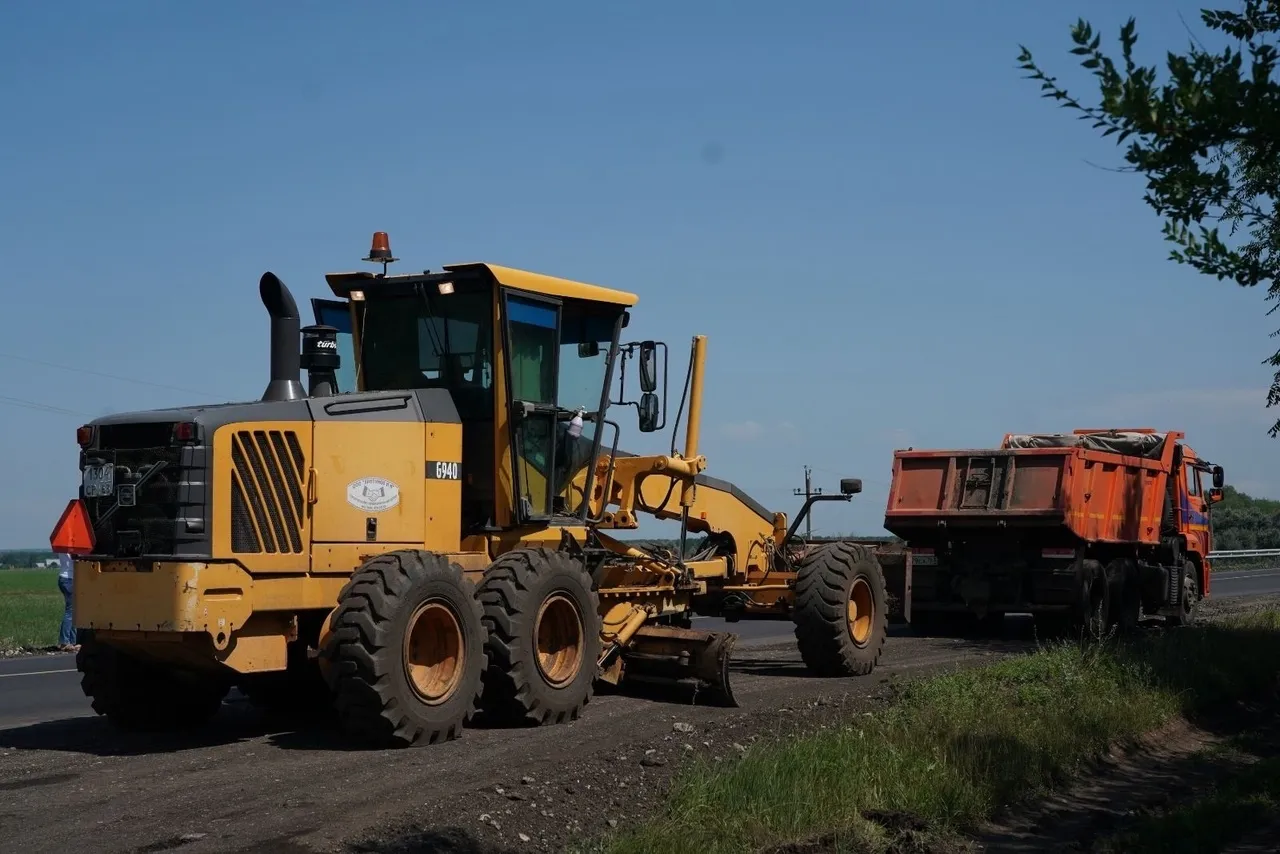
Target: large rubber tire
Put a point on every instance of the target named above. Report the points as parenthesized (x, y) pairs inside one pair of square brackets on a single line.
[(143, 696), (534, 677), (1126, 595), (1090, 617), (835, 584), (375, 643), (1189, 596)]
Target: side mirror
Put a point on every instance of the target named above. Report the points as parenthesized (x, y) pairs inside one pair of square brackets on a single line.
[(648, 412), (1215, 495), (1219, 479), (588, 349), (850, 485), (648, 367)]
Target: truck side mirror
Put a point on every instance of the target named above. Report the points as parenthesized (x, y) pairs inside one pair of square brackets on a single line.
[(1215, 495), (648, 366), (1219, 479), (648, 412)]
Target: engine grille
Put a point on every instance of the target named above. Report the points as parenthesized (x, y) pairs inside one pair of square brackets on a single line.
[(166, 517), (267, 492)]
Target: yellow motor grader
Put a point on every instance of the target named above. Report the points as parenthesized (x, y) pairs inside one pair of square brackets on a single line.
[(422, 532)]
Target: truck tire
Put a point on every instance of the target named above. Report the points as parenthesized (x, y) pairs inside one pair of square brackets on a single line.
[(543, 621), (406, 650), (1126, 595), (841, 611), (142, 696), (1092, 614), (1189, 596)]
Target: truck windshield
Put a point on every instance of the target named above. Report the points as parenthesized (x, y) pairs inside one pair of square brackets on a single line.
[(432, 341)]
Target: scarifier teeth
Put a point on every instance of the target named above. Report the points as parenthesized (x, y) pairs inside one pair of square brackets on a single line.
[(688, 658)]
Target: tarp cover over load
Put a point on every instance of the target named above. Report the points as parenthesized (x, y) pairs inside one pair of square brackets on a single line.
[(1148, 445)]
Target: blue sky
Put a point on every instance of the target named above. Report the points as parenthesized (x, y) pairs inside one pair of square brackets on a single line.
[(887, 236)]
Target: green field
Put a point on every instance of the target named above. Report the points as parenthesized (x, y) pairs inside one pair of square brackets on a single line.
[(30, 608)]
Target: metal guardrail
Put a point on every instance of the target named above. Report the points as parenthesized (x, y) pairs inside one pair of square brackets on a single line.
[(1244, 553)]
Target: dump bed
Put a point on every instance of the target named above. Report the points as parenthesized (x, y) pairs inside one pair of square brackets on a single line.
[(1101, 486)]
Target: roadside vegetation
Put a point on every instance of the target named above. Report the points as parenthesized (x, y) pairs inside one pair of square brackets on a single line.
[(1249, 799), (30, 609), (955, 750)]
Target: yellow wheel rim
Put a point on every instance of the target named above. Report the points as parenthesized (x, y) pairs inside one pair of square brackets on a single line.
[(434, 652), (558, 639), (861, 611)]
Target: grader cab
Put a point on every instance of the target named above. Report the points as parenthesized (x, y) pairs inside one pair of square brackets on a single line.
[(424, 531)]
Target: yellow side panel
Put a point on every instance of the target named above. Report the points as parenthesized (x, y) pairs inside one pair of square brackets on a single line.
[(260, 514), (368, 470), (443, 487)]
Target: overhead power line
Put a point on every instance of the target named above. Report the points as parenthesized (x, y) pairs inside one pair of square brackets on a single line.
[(101, 374), (41, 407)]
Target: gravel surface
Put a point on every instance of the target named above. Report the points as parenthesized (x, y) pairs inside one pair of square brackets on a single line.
[(243, 786)]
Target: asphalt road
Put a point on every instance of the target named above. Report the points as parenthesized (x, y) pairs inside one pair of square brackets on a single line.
[(47, 688)]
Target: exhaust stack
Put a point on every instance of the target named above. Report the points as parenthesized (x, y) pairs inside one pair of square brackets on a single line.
[(286, 361)]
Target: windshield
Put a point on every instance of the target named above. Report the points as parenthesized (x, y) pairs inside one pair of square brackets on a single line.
[(584, 358), (432, 341)]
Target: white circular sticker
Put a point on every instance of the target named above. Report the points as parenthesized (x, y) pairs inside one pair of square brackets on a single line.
[(373, 494)]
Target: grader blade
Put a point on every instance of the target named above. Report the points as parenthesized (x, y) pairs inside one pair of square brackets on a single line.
[(665, 656)]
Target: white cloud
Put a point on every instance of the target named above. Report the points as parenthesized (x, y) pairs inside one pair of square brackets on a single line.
[(1156, 408), (753, 431), (899, 437)]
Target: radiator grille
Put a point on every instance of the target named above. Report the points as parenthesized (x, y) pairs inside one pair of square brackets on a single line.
[(266, 492)]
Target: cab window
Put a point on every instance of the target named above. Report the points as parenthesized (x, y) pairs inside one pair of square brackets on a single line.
[(1193, 480)]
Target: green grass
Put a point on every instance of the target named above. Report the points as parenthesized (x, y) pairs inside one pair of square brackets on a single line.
[(30, 608), (956, 748)]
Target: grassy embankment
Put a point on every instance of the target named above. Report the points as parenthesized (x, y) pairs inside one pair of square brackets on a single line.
[(955, 749), (30, 608)]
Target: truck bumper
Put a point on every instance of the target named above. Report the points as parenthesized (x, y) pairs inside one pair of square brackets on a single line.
[(195, 614)]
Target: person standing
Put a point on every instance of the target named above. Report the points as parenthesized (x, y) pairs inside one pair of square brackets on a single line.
[(66, 573)]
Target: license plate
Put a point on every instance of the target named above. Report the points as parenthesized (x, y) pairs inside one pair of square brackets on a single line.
[(99, 481), (924, 560)]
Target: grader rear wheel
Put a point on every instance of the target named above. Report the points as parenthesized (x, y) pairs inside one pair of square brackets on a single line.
[(544, 637), (406, 650), (841, 611), (140, 695)]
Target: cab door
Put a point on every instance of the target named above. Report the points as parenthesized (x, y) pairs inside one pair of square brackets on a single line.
[(532, 348), (1195, 515)]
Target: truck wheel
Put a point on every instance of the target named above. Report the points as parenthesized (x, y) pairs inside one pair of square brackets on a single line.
[(543, 620), (1093, 611), (1189, 601), (1126, 595), (406, 650), (841, 611), (142, 696)]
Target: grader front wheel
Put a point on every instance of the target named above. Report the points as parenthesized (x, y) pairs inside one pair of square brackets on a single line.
[(841, 612), (405, 650), (544, 637)]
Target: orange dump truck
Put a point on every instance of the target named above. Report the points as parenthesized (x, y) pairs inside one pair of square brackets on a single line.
[(1085, 530)]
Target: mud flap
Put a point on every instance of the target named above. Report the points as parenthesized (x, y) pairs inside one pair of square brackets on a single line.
[(668, 656)]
